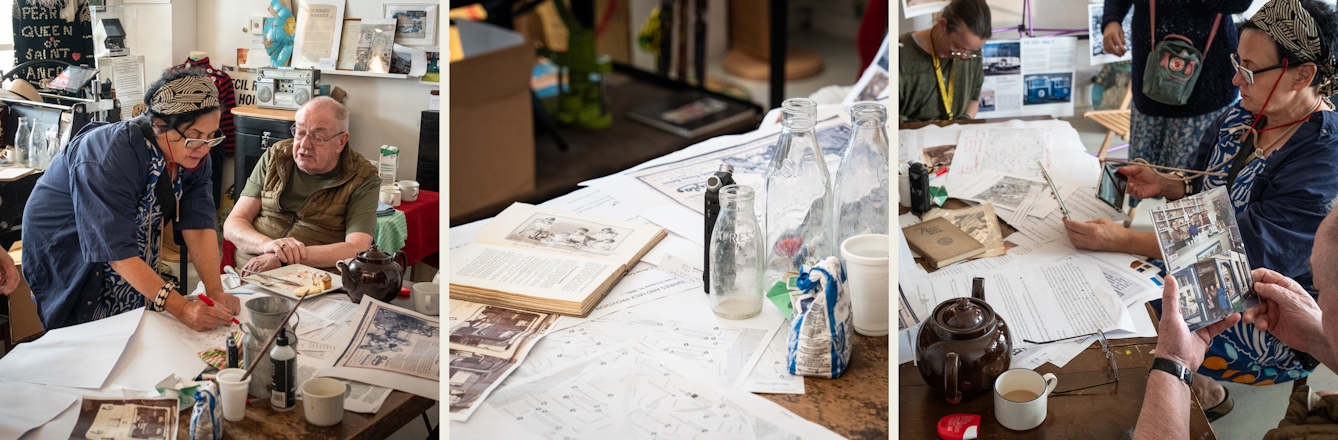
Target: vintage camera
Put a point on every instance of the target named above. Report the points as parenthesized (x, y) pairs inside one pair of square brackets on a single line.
[(920, 199), (717, 180), (285, 87)]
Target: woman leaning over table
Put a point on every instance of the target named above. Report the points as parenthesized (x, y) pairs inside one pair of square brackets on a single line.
[(94, 222), (1284, 187)]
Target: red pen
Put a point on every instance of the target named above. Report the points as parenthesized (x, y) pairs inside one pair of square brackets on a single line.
[(940, 171), (210, 303)]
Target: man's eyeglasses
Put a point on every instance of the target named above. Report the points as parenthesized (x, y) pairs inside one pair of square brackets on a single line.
[(300, 134), (1114, 369), (197, 143), (1249, 74)]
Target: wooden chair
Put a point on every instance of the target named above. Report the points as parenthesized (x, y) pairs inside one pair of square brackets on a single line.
[(1116, 122)]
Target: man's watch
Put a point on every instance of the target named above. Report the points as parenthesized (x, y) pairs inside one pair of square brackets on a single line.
[(1174, 369)]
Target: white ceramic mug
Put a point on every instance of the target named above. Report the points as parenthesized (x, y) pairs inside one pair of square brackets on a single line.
[(323, 401), (867, 279), (408, 190), (232, 389), (427, 298), (390, 195), (1020, 397)]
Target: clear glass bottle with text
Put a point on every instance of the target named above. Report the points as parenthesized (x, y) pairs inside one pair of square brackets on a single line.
[(736, 256), (798, 196), (861, 187)]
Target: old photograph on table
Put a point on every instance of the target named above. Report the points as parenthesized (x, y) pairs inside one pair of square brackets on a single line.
[(543, 230), (488, 343), (127, 419), (684, 180), (1203, 249), (392, 339)]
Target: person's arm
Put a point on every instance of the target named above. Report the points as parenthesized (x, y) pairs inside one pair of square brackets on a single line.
[(196, 220), (1106, 235), (10, 273), (971, 109), (147, 282), (359, 224), (1165, 412), (238, 229), (1114, 12), (203, 247), (327, 255)]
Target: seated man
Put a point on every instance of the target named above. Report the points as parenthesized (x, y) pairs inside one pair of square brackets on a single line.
[(310, 200), (1288, 313), (946, 54)]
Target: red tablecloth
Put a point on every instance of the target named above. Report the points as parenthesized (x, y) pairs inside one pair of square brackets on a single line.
[(423, 219)]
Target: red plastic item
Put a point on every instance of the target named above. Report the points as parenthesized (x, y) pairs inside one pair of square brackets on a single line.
[(959, 426), (404, 291)]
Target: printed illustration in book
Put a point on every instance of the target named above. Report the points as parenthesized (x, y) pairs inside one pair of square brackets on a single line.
[(392, 339), (1202, 246)]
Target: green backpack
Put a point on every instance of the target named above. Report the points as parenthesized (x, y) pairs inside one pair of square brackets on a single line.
[(1174, 65)]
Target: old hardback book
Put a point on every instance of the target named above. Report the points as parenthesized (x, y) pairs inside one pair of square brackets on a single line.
[(941, 243), (548, 260), (690, 114)]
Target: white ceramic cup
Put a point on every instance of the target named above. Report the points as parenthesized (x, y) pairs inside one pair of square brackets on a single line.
[(867, 278), (390, 195), (323, 401), (408, 190), (427, 298), (904, 185), (232, 389), (1028, 414)]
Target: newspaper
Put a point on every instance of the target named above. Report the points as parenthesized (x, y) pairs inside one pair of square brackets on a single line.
[(389, 339), (1204, 251), (127, 419), (487, 344), (874, 83), (684, 180)]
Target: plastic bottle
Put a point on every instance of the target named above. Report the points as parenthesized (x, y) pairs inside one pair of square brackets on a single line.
[(282, 387)]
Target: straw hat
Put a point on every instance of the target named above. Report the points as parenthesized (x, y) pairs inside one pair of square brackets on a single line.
[(24, 89)]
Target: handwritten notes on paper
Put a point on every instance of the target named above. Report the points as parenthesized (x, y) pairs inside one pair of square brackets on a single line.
[(1006, 151)]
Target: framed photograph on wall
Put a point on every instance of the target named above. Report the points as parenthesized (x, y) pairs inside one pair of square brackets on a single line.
[(318, 33), (416, 24)]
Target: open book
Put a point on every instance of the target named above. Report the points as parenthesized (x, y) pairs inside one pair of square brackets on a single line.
[(547, 260), (1202, 246)]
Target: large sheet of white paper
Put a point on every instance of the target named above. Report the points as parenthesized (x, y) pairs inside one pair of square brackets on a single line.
[(97, 345), (643, 284), (26, 407), (153, 353), (772, 375), (1014, 152), (632, 392)]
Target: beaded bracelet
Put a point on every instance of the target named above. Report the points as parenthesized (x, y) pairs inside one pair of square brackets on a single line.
[(160, 300)]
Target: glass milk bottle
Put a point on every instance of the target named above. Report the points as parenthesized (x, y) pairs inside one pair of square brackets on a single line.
[(861, 187), (21, 141), (799, 196), (736, 256)]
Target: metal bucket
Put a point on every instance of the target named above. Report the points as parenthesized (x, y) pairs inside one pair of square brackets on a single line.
[(262, 375), (267, 312)]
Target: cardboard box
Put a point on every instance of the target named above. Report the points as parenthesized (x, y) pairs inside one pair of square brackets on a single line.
[(492, 123), (23, 320)]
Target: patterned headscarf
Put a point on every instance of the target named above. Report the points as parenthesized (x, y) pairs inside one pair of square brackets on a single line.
[(184, 95), (1293, 28)]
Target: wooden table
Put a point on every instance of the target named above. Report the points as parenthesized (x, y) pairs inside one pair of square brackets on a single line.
[(264, 423), (1108, 411), (853, 405)]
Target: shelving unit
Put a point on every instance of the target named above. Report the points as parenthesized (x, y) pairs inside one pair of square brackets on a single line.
[(366, 74)]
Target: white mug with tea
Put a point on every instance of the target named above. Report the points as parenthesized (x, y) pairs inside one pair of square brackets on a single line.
[(1020, 397)]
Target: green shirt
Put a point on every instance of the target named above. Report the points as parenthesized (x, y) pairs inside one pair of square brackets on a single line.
[(920, 98), (361, 215)]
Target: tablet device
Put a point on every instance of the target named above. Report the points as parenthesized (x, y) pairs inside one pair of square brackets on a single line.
[(1112, 186)]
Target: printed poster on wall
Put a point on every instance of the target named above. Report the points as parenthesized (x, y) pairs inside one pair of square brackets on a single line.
[(1028, 77), (915, 8), (1099, 56)]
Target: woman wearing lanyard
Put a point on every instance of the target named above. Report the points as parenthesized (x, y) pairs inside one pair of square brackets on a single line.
[(94, 222), (939, 70), (1275, 152)]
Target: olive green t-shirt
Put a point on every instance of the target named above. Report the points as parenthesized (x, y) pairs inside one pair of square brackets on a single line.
[(361, 215), (920, 99)]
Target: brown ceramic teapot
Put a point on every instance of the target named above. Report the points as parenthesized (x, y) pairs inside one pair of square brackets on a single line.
[(963, 346), (374, 274)]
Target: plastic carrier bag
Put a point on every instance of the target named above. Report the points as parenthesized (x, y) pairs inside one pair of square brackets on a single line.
[(821, 331)]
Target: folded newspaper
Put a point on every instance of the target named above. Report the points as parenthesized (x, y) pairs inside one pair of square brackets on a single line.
[(1202, 246)]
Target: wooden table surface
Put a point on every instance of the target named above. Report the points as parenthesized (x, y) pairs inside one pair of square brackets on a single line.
[(1108, 411), (854, 405), (264, 423)]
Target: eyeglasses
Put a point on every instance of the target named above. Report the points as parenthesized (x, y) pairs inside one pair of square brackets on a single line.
[(300, 134), (1114, 369), (963, 55), (1249, 74), (197, 143)]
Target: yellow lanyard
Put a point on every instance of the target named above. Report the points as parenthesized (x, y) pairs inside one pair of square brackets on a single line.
[(944, 90)]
